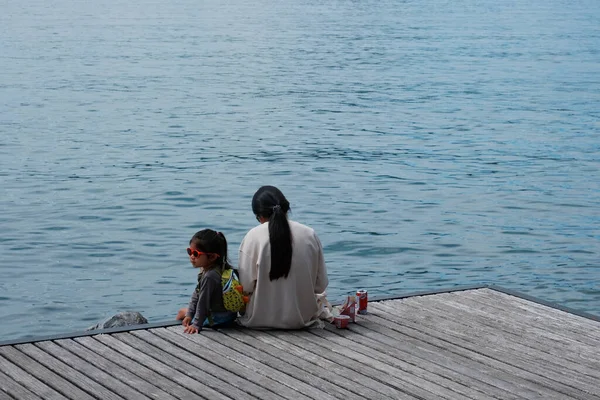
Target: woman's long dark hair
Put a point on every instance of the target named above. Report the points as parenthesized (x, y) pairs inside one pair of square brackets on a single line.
[(268, 202), (211, 241)]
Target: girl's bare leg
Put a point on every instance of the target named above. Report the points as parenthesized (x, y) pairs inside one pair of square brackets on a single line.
[(181, 314)]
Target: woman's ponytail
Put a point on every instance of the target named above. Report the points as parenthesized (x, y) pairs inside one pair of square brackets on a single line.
[(269, 202)]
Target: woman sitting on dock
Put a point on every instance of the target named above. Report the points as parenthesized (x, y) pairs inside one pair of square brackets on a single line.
[(281, 267)]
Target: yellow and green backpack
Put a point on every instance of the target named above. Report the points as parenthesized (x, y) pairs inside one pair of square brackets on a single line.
[(233, 298)]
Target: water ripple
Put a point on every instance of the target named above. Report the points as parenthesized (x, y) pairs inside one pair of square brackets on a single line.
[(426, 154)]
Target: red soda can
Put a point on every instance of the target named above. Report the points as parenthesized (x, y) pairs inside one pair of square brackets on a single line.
[(363, 299)]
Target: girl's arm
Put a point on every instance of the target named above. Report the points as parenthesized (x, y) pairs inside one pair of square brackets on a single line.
[(191, 310), (210, 286), (202, 305)]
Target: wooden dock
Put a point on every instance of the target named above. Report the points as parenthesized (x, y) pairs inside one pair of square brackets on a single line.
[(480, 343)]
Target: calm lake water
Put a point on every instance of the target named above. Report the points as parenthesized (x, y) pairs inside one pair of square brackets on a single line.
[(431, 144)]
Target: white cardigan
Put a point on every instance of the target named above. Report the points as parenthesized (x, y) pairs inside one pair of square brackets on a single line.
[(285, 303)]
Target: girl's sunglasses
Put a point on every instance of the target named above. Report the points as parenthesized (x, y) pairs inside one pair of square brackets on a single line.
[(196, 253)]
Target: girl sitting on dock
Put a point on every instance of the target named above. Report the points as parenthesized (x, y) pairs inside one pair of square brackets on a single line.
[(207, 251)]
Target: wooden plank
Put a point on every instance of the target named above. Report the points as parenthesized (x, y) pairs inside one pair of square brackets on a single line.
[(147, 357), (382, 351), (553, 349), (295, 387), (439, 360), (67, 372), (261, 386), (48, 384), (459, 321), (506, 322), (473, 345), (408, 377), (205, 358), (526, 383), (530, 316), (574, 327), (202, 370), (11, 389), (370, 349), (309, 362), (431, 327), (119, 380), (383, 374), (337, 363), (471, 336), (315, 382), (568, 318), (135, 367), (89, 371), (508, 378)]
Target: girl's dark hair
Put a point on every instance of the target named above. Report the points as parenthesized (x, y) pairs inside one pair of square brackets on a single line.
[(210, 241), (268, 202)]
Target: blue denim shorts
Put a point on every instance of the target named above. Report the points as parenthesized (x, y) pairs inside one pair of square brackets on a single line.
[(221, 320)]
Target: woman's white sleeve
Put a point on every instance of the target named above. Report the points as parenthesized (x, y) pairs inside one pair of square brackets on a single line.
[(322, 279), (247, 266)]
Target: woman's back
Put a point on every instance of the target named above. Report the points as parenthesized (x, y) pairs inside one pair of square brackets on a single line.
[(287, 302)]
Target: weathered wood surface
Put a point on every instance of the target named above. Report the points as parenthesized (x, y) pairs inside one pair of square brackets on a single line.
[(471, 344)]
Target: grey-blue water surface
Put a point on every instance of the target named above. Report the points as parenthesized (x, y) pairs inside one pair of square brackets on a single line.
[(431, 144)]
